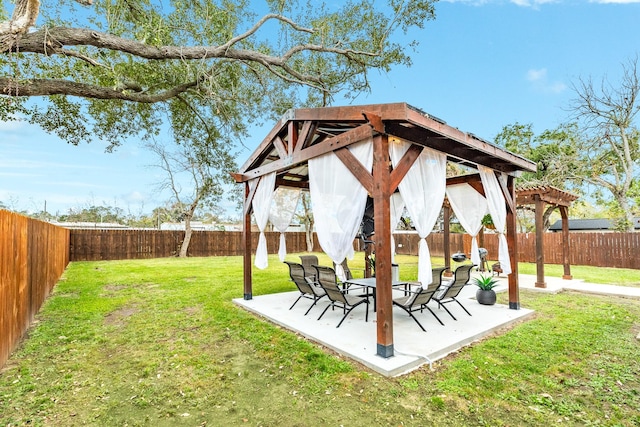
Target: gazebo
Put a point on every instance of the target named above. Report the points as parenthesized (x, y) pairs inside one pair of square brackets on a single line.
[(540, 196), (401, 139)]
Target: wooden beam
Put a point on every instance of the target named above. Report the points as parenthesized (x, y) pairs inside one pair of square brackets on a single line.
[(382, 217), (512, 245), (375, 121), (356, 168), (508, 197), (306, 135), (566, 250), (248, 201), (408, 159), (292, 132), (539, 211), (264, 146), (331, 144), (280, 148), (246, 240)]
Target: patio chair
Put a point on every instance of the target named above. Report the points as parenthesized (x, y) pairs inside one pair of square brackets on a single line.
[(418, 300), (339, 298), (306, 287), (449, 291), (308, 261)]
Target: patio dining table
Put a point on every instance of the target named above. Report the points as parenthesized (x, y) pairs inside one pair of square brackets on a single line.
[(370, 283)]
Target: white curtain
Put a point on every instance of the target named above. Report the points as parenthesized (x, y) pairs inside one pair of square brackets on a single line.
[(338, 201), (283, 207), (261, 207), (470, 207), (397, 207), (498, 211), (422, 190)]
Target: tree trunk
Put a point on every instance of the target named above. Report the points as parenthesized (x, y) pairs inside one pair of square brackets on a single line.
[(187, 237), (308, 230)]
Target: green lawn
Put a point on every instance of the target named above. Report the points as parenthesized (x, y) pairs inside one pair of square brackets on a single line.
[(159, 342)]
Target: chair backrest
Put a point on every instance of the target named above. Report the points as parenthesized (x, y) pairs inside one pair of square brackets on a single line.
[(297, 274), (423, 295), (437, 275), (345, 268), (328, 280), (308, 261), (461, 277)]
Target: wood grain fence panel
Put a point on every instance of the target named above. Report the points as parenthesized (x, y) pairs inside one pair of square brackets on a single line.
[(33, 256)]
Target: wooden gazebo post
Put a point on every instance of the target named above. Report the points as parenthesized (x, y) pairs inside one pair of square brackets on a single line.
[(565, 243), (382, 217), (539, 211), (246, 240), (512, 243)]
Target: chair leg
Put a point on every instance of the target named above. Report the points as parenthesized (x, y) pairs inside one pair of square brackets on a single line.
[(315, 301), (295, 302), (462, 306), (434, 315), (325, 310), (447, 310)]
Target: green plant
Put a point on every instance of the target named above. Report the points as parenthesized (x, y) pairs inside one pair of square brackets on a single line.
[(486, 283)]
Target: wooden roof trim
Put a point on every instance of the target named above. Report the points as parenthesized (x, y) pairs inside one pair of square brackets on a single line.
[(345, 139), (548, 194), (473, 142)]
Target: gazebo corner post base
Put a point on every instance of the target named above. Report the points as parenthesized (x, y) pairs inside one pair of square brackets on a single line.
[(541, 284), (567, 277), (248, 297), (514, 305), (385, 351)]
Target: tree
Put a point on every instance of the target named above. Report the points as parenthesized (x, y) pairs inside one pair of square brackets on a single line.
[(122, 68), (306, 218), (554, 152), (192, 179), (610, 145)]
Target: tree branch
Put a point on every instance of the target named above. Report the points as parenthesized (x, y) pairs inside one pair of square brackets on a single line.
[(45, 87)]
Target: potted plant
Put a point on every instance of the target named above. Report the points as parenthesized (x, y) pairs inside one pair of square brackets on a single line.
[(485, 294), (487, 221)]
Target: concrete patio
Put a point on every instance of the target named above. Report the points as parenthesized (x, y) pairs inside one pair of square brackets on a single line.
[(356, 339)]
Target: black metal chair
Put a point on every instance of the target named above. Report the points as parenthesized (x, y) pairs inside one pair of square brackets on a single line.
[(449, 291), (306, 287), (327, 279), (418, 300)]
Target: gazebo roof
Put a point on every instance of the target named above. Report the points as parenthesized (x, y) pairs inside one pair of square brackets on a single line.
[(547, 193), (306, 133)]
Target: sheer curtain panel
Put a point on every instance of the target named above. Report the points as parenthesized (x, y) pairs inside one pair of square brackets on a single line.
[(261, 207), (283, 207), (422, 190), (397, 207), (338, 201), (498, 211), (470, 207)]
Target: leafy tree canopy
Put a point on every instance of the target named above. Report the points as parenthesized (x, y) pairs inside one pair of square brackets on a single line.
[(116, 69)]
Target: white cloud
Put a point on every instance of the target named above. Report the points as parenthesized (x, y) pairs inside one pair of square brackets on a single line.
[(537, 75), (540, 81), (12, 126)]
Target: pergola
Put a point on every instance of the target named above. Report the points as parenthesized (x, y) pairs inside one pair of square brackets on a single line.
[(304, 134), (540, 196)]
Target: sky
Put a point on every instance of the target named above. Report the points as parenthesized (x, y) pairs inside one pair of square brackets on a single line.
[(481, 65)]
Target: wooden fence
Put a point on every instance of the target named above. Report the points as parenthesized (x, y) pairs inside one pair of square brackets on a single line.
[(96, 245), (33, 256), (597, 249), (618, 250)]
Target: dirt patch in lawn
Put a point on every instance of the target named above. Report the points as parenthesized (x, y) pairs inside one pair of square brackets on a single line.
[(119, 317)]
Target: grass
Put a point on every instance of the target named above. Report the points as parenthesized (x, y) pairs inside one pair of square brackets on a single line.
[(159, 342)]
